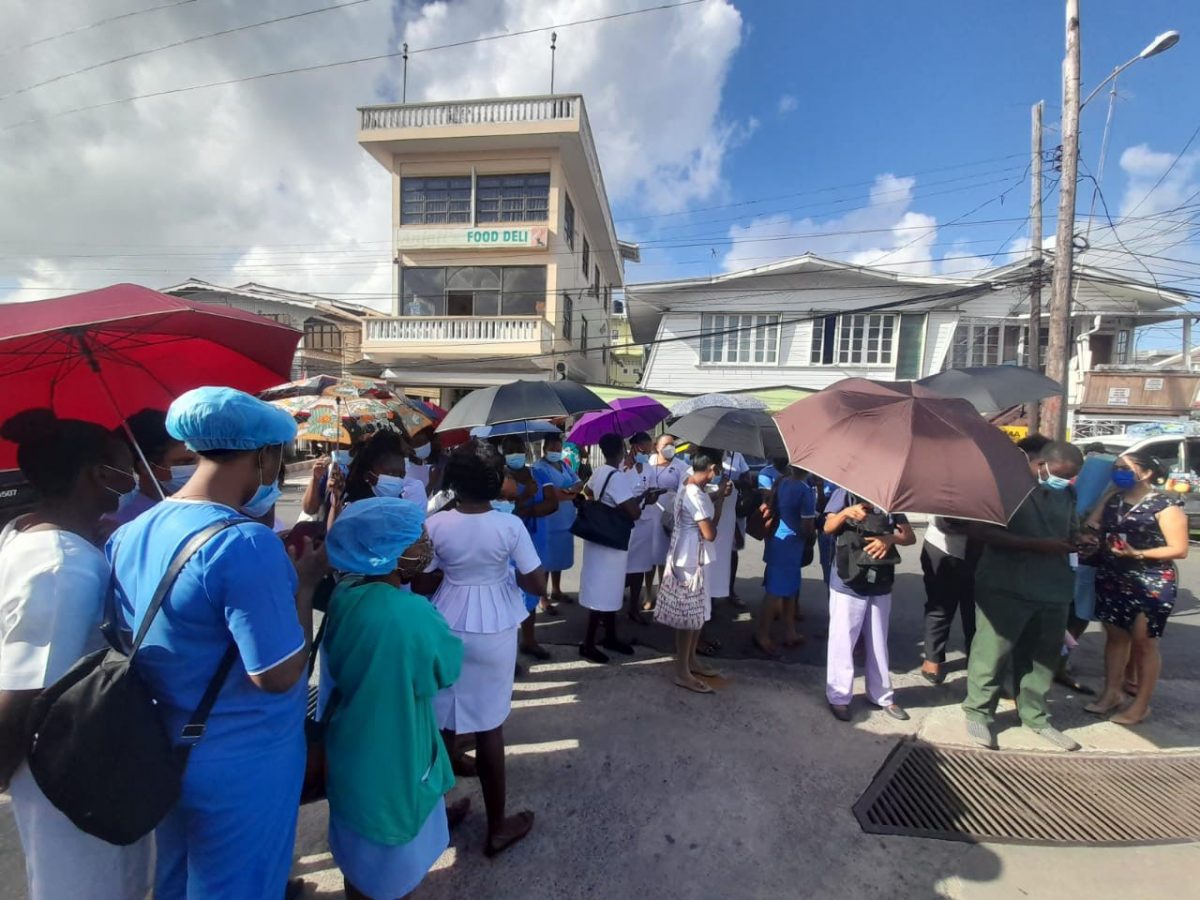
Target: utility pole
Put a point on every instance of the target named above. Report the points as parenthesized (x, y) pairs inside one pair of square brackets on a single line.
[(404, 82), (1058, 352), (553, 52), (1033, 342)]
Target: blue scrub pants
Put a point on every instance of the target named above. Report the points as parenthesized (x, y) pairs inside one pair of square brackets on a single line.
[(233, 832)]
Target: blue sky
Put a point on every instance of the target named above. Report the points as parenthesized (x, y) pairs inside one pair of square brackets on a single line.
[(842, 93)]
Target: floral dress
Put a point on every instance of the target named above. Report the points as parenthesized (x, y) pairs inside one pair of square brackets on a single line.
[(1127, 587)]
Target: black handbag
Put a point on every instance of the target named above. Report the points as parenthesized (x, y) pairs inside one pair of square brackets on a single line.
[(601, 524), (99, 749)]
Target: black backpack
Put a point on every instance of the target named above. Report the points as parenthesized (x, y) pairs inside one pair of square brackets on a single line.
[(99, 749), (866, 576)]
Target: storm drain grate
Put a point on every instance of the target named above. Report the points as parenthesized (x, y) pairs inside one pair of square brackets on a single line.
[(960, 794)]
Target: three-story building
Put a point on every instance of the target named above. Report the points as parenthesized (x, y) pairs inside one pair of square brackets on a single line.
[(506, 257)]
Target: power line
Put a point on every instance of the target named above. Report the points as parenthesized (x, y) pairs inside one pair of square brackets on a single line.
[(347, 62), (1170, 169), (97, 24), (192, 40)]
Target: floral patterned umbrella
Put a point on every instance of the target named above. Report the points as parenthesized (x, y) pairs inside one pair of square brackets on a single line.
[(328, 386)]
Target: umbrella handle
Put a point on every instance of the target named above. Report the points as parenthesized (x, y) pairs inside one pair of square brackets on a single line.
[(90, 357)]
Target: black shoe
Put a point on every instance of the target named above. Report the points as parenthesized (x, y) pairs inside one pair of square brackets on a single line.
[(593, 654), (537, 652), (841, 713), (933, 677), (618, 647), (896, 712)]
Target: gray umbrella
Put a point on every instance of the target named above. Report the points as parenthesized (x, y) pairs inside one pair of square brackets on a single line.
[(725, 401), (521, 400), (748, 431), (992, 388)]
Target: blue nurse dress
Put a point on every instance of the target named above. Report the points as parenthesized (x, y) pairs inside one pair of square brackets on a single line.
[(233, 830)]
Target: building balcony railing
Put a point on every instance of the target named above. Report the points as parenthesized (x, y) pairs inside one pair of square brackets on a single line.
[(502, 111), (450, 335)]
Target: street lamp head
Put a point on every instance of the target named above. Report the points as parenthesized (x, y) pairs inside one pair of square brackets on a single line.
[(1163, 42)]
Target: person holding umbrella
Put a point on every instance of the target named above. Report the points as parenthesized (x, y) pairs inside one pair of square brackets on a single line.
[(1024, 585), (671, 473), (602, 578), (860, 598), (53, 585)]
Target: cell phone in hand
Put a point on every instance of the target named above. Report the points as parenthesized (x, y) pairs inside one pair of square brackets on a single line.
[(314, 531)]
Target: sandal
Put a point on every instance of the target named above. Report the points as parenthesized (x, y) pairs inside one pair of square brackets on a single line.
[(695, 685), (523, 822)]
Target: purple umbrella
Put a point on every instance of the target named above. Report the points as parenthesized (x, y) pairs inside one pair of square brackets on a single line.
[(627, 417)]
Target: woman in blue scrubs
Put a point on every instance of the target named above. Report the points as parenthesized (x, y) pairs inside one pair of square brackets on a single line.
[(231, 834)]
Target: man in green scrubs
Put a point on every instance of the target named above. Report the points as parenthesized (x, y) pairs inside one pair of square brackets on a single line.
[(1023, 589)]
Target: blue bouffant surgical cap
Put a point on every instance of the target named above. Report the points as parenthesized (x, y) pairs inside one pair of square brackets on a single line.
[(221, 418), (371, 535)]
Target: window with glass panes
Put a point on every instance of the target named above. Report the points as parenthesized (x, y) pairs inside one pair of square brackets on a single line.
[(512, 198), (568, 315), (739, 339), (435, 201), (977, 344), (568, 221), (322, 336), (473, 291), (853, 339), (587, 257)]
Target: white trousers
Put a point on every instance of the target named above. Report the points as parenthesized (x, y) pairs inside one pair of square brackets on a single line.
[(849, 616)]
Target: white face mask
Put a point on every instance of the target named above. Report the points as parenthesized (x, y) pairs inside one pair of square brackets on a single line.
[(423, 451), (667, 452), (388, 486)]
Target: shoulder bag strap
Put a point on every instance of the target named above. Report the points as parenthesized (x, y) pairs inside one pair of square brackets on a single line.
[(604, 487), (185, 553)]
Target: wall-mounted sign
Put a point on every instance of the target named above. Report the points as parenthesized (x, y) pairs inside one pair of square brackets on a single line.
[(1119, 396), (1153, 384), (409, 237)]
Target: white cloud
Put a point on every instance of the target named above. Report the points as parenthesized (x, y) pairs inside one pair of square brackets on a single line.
[(788, 103), (263, 180), (884, 232)]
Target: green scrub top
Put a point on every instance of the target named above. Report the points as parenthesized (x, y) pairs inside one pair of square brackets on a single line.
[(389, 652), (1037, 577)]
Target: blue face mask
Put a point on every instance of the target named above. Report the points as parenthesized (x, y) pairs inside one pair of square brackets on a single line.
[(179, 477), (1055, 482), (716, 481), (264, 498), (515, 461), (504, 506), (554, 456), (1124, 479), (641, 458), (423, 451)]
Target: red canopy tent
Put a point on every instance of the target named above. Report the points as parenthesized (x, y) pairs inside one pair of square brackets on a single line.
[(106, 354)]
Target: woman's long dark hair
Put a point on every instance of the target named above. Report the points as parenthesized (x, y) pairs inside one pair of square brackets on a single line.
[(475, 471), (375, 448)]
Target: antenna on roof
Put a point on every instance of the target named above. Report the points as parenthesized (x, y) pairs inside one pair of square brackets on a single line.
[(553, 51)]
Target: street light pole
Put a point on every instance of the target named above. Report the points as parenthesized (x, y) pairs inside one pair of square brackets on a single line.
[(1057, 351), (1054, 409), (1033, 340)]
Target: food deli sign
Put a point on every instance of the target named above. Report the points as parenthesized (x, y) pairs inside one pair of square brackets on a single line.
[(409, 238)]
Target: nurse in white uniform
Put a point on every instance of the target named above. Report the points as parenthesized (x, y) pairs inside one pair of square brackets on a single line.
[(602, 577), (648, 488), (475, 548), (53, 582), (673, 472)]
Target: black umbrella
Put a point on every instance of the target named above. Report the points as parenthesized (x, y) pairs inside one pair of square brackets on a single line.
[(751, 432), (992, 388), (519, 401)]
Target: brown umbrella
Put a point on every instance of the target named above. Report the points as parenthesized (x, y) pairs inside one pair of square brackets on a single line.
[(907, 449)]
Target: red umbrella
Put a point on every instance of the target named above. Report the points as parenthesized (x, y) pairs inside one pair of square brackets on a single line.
[(105, 354), (907, 449)]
